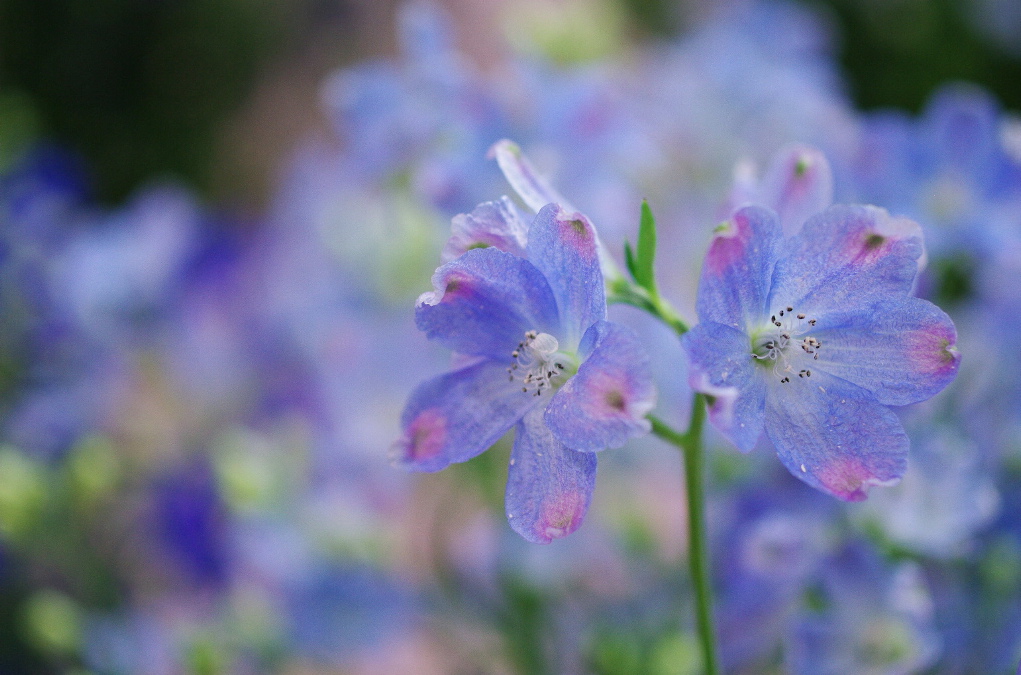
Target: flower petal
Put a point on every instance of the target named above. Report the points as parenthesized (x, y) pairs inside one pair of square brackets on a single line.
[(458, 415), (606, 402), (738, 267), (721, 366), (549, 486), (847, 257), (962, 123), (797, 185), (903, 351), (563, 246), (498, 224), (533, 189), (484, 303), (835, 436)]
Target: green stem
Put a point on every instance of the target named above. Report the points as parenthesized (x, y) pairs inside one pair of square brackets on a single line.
[(622, 292), (690, 443)]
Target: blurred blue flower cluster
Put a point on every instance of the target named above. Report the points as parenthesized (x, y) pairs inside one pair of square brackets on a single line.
[(199, 408)]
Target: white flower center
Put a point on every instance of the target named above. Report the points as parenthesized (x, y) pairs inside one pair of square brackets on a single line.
[(538, 363), (784, 340)]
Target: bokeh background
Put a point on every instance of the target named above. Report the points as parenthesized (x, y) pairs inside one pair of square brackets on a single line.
[(215, 216)]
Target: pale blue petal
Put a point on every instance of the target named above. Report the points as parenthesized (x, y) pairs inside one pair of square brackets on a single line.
[(458, 415), (484, 303), (549, 486), (606, 402), (563, 246), (834, 435), (847, 257), (722, 366), (533, 189), (903, 350), (498, 224), (737, 269)]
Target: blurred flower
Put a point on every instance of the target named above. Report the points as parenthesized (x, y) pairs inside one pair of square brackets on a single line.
[(868, 618)]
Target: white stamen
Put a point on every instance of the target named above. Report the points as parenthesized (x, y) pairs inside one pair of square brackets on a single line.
[(776, 342), (536, 362)]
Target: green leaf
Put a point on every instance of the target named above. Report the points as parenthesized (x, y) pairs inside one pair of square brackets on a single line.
[(629, 259), (646, 253)]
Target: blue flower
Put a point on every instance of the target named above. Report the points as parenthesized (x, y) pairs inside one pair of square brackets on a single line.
[(811, 338), (872, 616), (950, 170), (797, 184), (536, 352)]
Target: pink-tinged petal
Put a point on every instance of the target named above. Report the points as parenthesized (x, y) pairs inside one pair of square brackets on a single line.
[(536, 193), (498, 224), (458, 415), (549, 486), (528, 183), (563, 246), (484, 303), (737, 269), (846, 258), (834, 435), (606, 402), (797, 185), (722, 367), (903, 351), (426, 436)]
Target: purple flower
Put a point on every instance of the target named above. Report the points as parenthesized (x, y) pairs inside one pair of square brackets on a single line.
[(536, 352), (811, 338)]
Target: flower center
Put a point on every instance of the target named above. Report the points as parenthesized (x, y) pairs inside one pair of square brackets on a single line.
[(539, 364), (784, 341)]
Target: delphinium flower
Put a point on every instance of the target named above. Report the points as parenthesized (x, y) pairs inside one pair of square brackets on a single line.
[(537, 354), (996, 306), (949, 170), (721, 109), (996, 611), (770, 543), (126, 267), (866, 616), (797, 184), (948, 494), (812, 337), (420, 124)]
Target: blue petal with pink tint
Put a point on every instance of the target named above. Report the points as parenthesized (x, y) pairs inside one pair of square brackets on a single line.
[(563, 246), (847, 257), (737, 269), (458, 415), (498, 224), (605, 404), (549, 486), (901, 350), (835, 436), (484, 303), (722, 369)]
